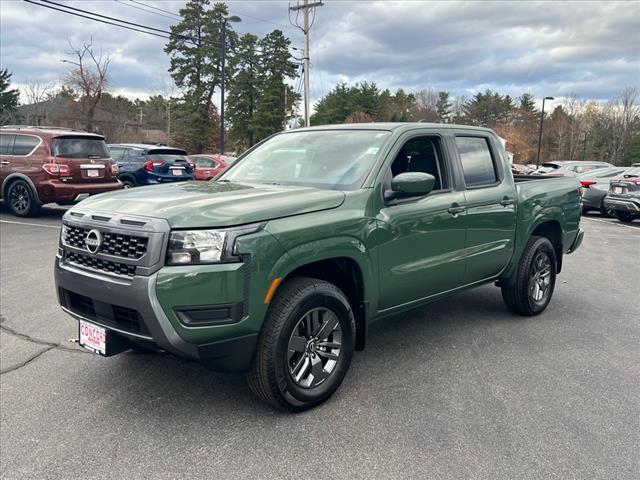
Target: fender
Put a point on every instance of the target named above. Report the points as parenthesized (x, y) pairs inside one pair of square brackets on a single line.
[(328, 248), (13, 176), (543, 215)]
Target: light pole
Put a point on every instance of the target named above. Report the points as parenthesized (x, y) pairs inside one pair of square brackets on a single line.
[(223, 43), (540, 133), (584, 145)]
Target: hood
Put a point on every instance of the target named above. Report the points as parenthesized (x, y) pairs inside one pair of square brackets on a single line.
[(214, 204)]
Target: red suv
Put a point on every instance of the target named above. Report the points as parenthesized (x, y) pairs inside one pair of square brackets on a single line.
[(41, 165)]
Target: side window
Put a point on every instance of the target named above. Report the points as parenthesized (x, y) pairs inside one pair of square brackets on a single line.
[(24, 144), (116, 153), (421, 154), (477, 162), (6, 142)]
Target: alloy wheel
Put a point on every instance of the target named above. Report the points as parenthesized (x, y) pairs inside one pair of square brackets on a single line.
[(20, 199), (314, 347), (540, 279)]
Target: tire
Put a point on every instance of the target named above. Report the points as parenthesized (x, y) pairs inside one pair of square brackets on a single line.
[(22, 200), (585, 210), (128, 182), (535, 279), (292, 348), (624, 217), (605, 212)]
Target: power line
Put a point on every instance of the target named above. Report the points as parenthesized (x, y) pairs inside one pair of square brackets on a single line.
[(231, 11), (96, 19), (111, 18), (128, 4)]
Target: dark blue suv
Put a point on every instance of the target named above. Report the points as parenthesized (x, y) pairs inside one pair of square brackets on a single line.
[(141, 164)]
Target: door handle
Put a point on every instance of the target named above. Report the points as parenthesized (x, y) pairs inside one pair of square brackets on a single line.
[(5, 162), (507, 201), (455, 209)]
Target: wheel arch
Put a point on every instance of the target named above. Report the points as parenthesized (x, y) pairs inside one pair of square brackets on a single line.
[(350, 269), (551, 230), (13, 177)]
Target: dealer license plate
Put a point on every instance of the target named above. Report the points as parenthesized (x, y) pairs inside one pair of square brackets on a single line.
[(93, 173), (93, 337)]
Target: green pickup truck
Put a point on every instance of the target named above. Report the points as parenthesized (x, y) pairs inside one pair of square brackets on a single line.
[(277, 267)]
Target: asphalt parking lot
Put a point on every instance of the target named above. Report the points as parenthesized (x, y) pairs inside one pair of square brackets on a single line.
[(459, 389)]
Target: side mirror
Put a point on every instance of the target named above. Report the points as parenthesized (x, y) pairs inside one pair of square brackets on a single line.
[(411, 184)]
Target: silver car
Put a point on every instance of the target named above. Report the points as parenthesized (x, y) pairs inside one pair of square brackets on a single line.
[(567, 168), (594, 186)]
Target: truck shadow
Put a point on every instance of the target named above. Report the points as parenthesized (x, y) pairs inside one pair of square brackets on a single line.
[(174, 386)]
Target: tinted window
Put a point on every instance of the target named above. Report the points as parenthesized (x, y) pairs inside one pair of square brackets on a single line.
[(79, 147), (477, 163), (24, 144), (5, 143), (420, 155)]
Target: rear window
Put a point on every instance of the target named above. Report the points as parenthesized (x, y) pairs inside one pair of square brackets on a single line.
[(632, 172), (477, 162), (166, 157), (25, 144), (79, 147)]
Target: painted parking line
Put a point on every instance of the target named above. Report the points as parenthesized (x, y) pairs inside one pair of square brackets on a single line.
[(31, 224), (612, 223)]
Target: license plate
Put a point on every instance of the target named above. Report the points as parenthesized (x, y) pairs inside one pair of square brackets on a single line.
[(618, 190), (176, 171), (93, 173), (93, 337)]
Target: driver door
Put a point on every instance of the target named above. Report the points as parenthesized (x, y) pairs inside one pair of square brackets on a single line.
[(421, 253)]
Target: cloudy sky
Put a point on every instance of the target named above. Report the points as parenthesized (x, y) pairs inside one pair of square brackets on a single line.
[(590, 48)]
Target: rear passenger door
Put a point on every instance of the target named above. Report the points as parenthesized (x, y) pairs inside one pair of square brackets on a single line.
[(490, 220)]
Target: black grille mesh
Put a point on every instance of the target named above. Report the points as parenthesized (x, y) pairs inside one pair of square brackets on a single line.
[(119, 245), (102, 265)]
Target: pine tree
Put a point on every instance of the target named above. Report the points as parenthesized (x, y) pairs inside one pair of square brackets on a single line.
[(244, 92), (443, 107), (8, 97), (276, 66), (196, 53)]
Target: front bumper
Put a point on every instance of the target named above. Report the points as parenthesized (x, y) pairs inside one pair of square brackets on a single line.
[(621, 204), (577, 241), (104, 300)]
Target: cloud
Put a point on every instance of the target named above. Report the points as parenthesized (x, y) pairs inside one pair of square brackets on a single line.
[(591, 49)]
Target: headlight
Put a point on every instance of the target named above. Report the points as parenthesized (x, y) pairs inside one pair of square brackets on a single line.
[(196, 246)]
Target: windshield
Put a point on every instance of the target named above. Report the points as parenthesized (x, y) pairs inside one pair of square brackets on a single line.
[(331, 159), (79, 147), (168, 157)]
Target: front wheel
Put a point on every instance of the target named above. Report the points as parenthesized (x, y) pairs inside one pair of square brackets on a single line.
[(625, 217), (530, 291), (305, 347)]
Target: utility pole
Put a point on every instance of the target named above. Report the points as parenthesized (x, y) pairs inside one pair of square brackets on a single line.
[(306, 8), (169, 121)]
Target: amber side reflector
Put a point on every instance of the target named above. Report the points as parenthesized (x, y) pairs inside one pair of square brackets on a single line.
[(272, 289)]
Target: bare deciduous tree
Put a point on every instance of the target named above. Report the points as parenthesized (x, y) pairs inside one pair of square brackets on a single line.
[(88, 77)]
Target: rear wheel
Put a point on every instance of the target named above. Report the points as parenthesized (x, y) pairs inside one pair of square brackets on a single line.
[(605, 212), (21, 199), (625, 217), (128, 182), (305, 347), (530, 291)]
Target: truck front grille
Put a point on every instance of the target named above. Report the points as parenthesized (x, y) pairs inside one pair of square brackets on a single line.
[(99, 264), (116, 244)]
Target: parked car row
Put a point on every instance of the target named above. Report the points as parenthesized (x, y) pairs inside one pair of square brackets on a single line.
[(40, 165), (623, 197)]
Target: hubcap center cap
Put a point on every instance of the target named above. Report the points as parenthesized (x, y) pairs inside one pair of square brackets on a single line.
[(311, 346)]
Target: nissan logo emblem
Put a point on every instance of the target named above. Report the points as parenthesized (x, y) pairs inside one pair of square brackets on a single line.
[(93, 241)]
